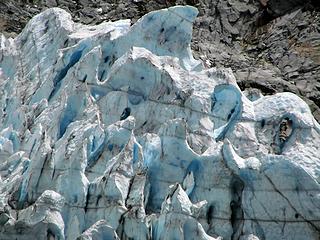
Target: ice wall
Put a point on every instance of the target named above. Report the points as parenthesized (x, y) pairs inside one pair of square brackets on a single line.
[(116, 132)]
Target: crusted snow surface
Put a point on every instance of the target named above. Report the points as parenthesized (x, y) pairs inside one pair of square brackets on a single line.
[(116, 132)]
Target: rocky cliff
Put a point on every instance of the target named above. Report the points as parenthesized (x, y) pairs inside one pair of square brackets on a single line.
[(115, 131)]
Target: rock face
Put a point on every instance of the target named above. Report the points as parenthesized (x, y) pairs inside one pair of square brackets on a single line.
[(116, 132)]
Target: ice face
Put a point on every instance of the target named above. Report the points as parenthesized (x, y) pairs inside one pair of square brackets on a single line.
[(116, 131)]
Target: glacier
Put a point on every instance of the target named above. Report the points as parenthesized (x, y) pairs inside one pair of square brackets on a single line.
[(115, 131)]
